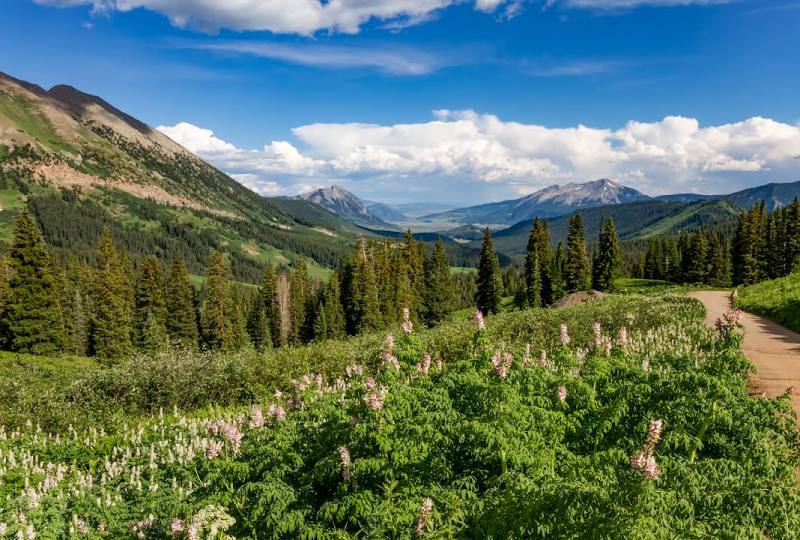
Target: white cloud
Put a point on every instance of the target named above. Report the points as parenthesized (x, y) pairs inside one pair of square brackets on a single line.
[(303, 17), (398, 61), (624, 4), (467, 151)]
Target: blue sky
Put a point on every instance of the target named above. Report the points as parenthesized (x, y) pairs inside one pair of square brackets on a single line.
[(459, 101)]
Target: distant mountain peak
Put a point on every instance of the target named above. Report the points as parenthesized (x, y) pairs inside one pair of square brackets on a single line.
[(345, 204)]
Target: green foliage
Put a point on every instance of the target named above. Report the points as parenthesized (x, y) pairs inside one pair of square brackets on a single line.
[(607, 264), (112, 313), (181, 313), (438, 290), (577, 271), (523, 449), (777, 299), (489, 284), (30, 316)]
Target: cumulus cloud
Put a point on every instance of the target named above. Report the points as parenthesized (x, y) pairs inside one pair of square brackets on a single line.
[(486, 153), (286, 16)]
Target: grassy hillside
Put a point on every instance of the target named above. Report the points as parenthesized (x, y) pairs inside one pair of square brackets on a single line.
[(80, 165), (777, 299), (634, 221), (482, 441)]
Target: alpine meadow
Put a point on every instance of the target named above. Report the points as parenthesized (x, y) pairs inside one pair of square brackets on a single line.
[(461, 269)]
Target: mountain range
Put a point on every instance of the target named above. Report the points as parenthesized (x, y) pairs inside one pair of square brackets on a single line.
[(343, 203)]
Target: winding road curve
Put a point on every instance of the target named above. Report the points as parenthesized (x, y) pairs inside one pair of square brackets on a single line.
[(774, 349)]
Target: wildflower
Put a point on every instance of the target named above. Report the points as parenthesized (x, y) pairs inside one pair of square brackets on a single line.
[(526, 356), (233, 436), (344, 455), (276, 412), (424, 516), (425, 365), (543, 361), (375, 398), (565, 339), (644, 461), (370, 383), (388, 353), (408, 326), (562, 394), (192, 533), (278, 394), (3, 529), (176, 526), (501, 364), (607, 345), (598, 335), (479, 321), (622, 337), (354, 370), (213, 450), (256, 417)]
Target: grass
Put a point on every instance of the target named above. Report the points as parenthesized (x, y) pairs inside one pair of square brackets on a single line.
[(20, 114), (777, 299)]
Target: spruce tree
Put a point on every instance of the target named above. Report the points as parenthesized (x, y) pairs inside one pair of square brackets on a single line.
[(719, 274), (32, 318), (150, 313), (236, 331), (364, 299), (216, 317), (557, 273), (111, 325), (490, 285), (181, 321), (792, 250), (608, 262), (334, 311), (298, 293), (533, 267), (699, 255), (577, 272), (258, 327), (438, 286)]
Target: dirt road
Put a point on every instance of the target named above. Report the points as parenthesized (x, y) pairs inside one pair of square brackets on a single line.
[(774, 349)]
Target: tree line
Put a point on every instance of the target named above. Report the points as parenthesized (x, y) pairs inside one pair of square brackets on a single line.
[(550, 274), (763, 245), (109, 310)]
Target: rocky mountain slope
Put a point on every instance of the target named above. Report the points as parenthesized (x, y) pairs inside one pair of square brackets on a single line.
[(345, 204), (81, 165), (549, 202)]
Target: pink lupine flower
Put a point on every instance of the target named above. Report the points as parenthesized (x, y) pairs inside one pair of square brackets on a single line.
[(319, 381), (344, 455), (256, 417), (562, 394), (277, 412), (233, 436), (374, 399), (479, 321), (597, 334), (607, 345), (502, 363), (644, 461), (543, 361), (730, 320), (176, 526), (213, 450), (526, 356), (370, 383), (192, 533), (565, 339), (388, 353), (424, 516), (408, 326), (425, 365), (622, 337), (278, 394), (439, 364), (354, 370)]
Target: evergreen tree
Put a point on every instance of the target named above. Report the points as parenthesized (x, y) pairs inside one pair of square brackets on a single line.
[(699, 255), (719, 273), (32, 318), (438, 286), (150, 313), (334, 311), (216, 317), (557, 273), (298, 291), (577, 273), (181, 321), (236, 331), (258, 326), (792, 235), (608, 262), (489, 283), (361, 294), (111, 325)]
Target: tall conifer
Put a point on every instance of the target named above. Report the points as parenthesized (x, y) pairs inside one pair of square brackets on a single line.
[(490, 285), (577, 272)]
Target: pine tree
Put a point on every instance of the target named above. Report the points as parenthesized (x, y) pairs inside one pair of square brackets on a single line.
[(236, 330), (490, 285), (557, 273), (264, 321), (438, 286), (216, 316), (534, 282), (608, 263), (78, 286), (792, 250), (32, 318), (364, 298), (181, 321), (334, 311), (719, 274), (699, 255), (111, 325), (577, 273), (150, 313), (258, 327), (298, 291)]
